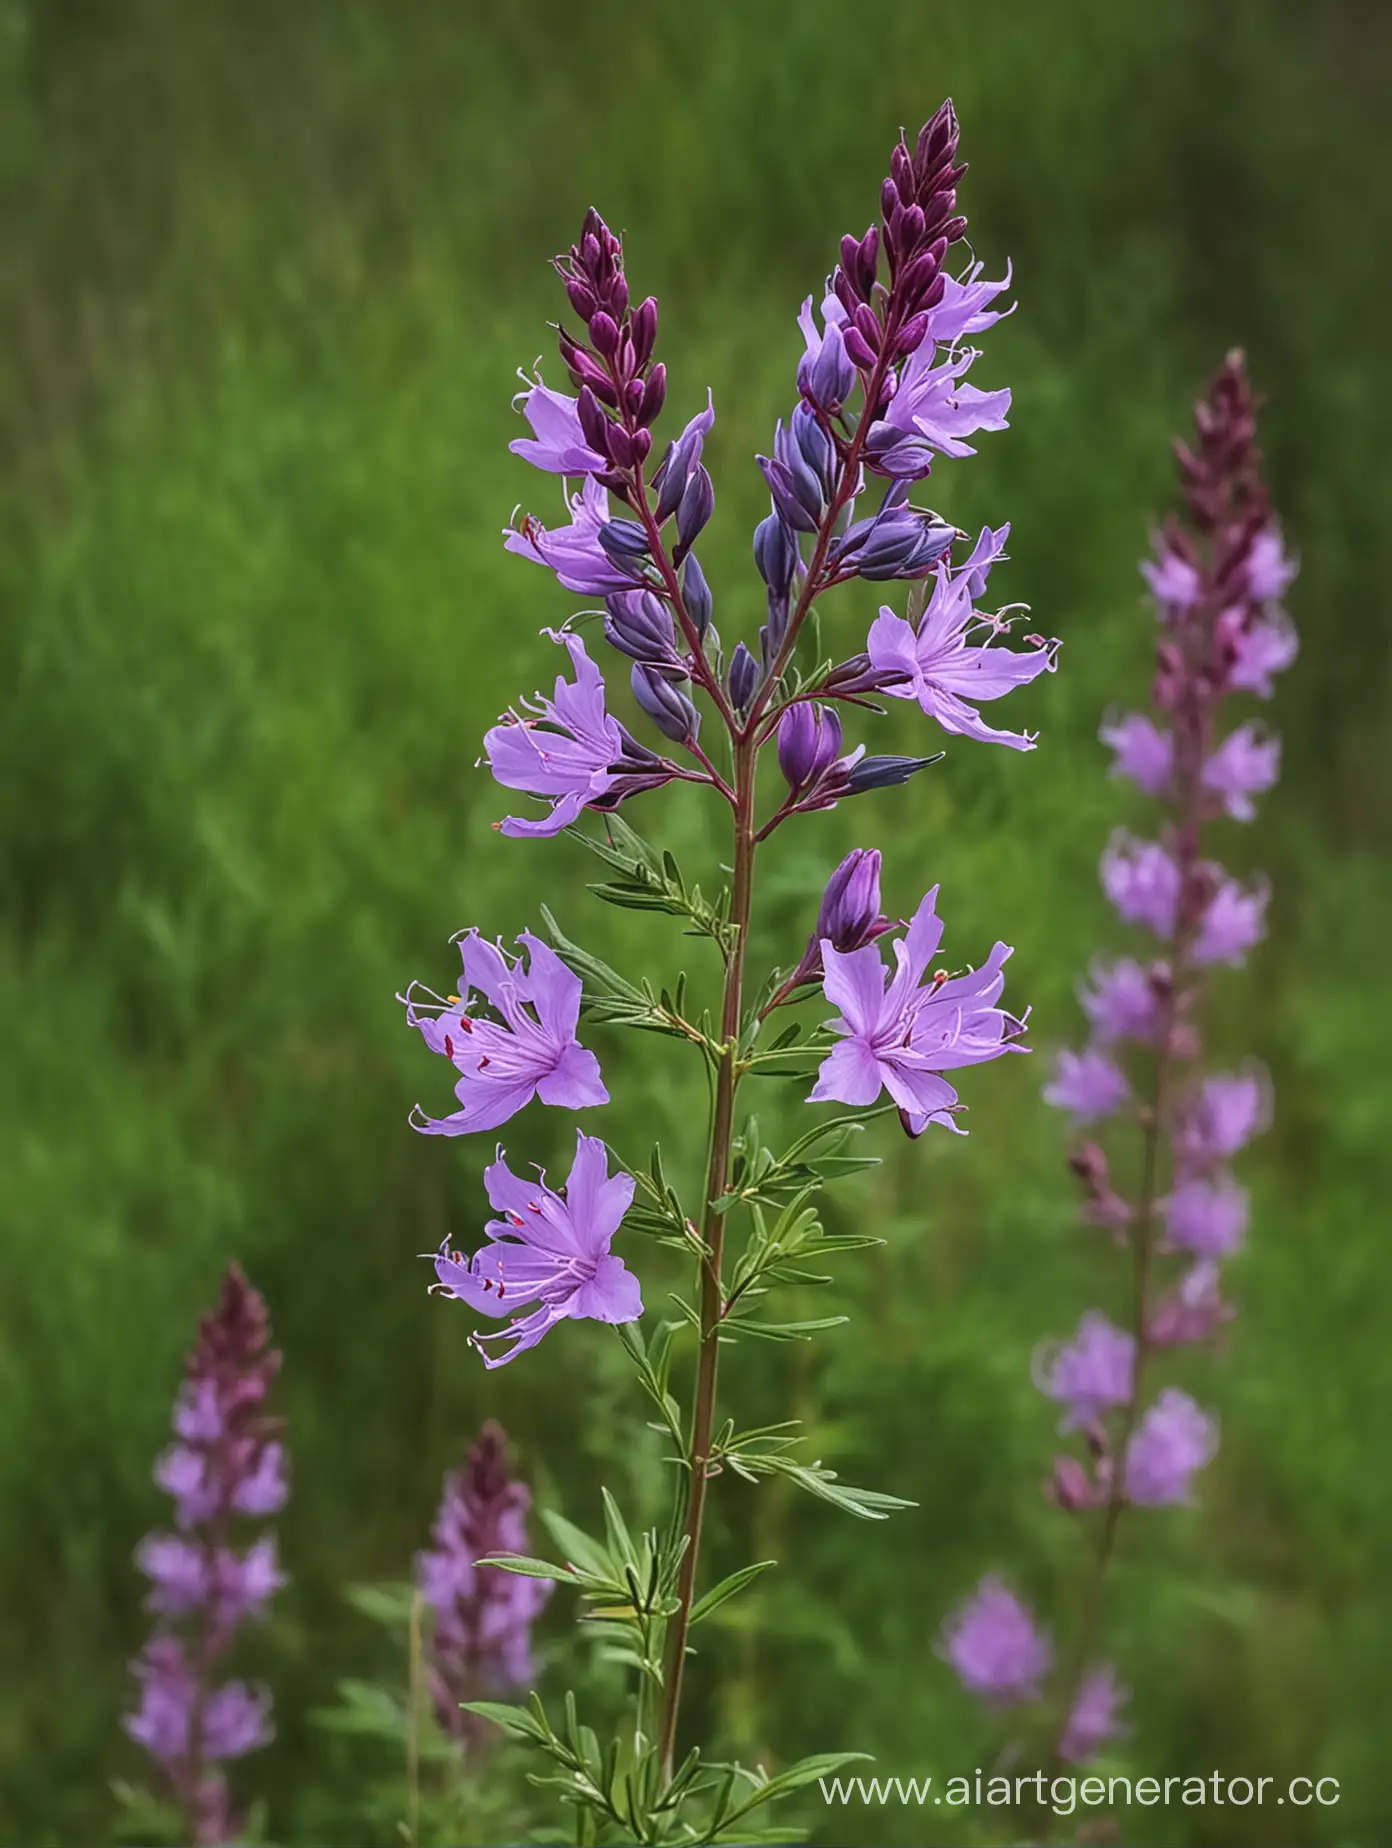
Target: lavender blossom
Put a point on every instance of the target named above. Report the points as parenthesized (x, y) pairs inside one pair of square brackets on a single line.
[(940, 664), (1091, 1374), (995, 1646), (569, 751), (227, 1463), (1246, 764), (1143, 752), (1087, 1084), (899, 1037), (1193, 1311), (530, 1052), (577, 552), (1174, 1439), (480, 1638), (557, 443), (548, 1248), (1092, 1720), (1220, 1118), (1125, 1000), (1207, 1215), (933, 412), (1234, 920)]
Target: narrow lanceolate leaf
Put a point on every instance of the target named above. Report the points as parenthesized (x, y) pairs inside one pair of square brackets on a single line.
[(582, 1551), (783, 1331), (728, 1587), (796, 1777), (515, 1720), (529, 1568), (865, 1504)]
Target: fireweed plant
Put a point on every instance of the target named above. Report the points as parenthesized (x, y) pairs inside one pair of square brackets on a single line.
[(882, 391), (225, 1469), (1216, 579)]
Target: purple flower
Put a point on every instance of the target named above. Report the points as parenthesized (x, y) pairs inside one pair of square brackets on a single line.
[(1193, 1312), (962, 307), (1143, 752), (235, 1718), (1234, 919), (1246, 764), (549, 1248), (227, 1462), (557, 443), (809, 740), (1093, 1719), (1174, 1438), (1258, 650), (575, 552), (1090, 1374), (901, 1037), (1207, 1216), (480, 1640), (825, 374), (189, 1575), (570, 751), (530, 1052), (994, 1645), (942, 666), (1175, 582), (1226, 1112), (1269, 571), (1088, 1084), (1124, 1000), (933, 412), (1142, 881)]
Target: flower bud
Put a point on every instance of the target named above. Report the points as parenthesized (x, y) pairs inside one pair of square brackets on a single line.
[(783, 486), (623, 540), (639, 624), (697, 595), (1071, 1487), (665, 704), (694, 511), (604, 335), (654, 396), (809, 739), (742, 677), (886, 772), (849, 916), (643, 328), (775, 553)]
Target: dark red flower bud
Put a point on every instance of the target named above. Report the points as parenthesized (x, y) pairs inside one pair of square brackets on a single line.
[(604, 333)]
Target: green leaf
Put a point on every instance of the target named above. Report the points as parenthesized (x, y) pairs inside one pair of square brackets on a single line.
[(528, 1568), (784, 1331), (727, 1588), (796, 1777), (865, 1504), (514, 1720), (584, 1552)]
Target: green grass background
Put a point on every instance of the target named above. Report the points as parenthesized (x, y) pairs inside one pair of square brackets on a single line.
[(266, 272)]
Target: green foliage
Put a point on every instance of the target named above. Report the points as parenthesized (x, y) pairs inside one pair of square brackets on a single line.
[(268, 273)]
